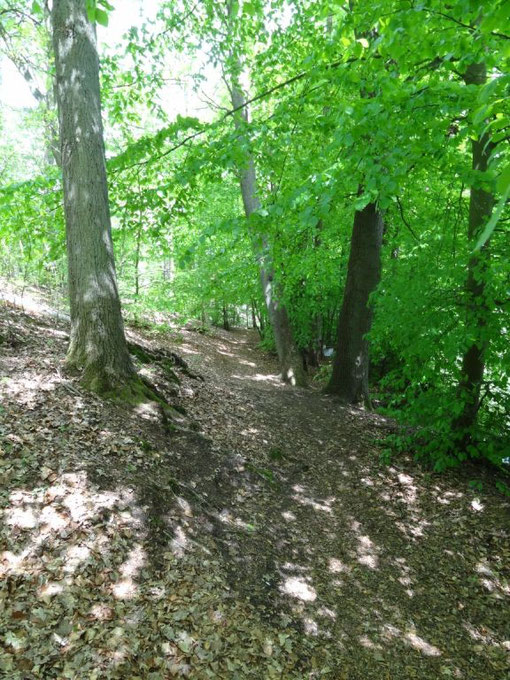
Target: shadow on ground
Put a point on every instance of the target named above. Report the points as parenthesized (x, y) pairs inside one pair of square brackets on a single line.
[(261, 539)]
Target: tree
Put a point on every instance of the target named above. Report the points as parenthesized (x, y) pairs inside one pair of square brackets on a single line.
[(349, 379), (289, 358), (97, 343), (481, 203)]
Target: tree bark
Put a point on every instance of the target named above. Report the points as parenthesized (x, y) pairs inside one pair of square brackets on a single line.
[(224, 311), (481, 203), (97, 343), (349, 379)]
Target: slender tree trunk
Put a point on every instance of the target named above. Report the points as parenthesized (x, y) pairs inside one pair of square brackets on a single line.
[(137, 261), (317, 321), (169, 262), (350, 367), (138, 240), (224, 311), (481, 204), (97, 342), (254, 318), (291, 364)]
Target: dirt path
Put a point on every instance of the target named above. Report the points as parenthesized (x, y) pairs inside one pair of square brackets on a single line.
[(265, 540), (398, 571)]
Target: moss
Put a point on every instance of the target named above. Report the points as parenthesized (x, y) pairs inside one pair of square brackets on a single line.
[(140, 353), (168, 367), (276, 453), (133, 392)]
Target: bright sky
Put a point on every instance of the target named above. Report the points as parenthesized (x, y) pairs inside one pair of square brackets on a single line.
[(15, 93), (177, 98)]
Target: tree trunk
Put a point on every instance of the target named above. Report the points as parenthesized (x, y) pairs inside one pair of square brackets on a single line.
[(481, 204), (224, 311), (350, 367), (97, 343), (137, 261), (289, 358)]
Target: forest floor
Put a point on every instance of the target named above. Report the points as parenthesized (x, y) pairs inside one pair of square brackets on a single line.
[(259, 537)]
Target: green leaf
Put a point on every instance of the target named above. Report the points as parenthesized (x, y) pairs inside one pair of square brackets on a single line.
[(504, 180), (101, 17), (491, 224), (91, 10)]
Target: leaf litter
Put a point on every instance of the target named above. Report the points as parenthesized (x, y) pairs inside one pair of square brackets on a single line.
[(259, 537)]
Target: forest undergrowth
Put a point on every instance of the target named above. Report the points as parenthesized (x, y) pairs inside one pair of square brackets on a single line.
[(257, 534)]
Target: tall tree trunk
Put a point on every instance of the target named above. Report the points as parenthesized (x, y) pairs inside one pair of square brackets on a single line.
[(481, 204), (138, 240), (224, 311), (137, 261), (350, 367), (97, 343), (289, 358)]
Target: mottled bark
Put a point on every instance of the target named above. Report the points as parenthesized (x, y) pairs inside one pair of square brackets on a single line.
[(97, 344), (481, 203), (349, 379)]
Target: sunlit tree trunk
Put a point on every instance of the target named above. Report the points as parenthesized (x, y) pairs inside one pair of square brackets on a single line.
[(349, 379), (97, 343), (481, 204), (290, 360)]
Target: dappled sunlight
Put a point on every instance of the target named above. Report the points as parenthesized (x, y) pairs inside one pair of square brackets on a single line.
[(421, 645), (405, 575), (126, 587), (29, 386), (487, 638), (476, 505), (189, 350), (56, 513), (244, 362), (30, 301), (366, 642), (296, 586), (310, 626), (302, 496), (225, 354), (260, 378), (367, 553), (129, 546), (446, 497), (336, 566), (491, 581), (250, 431), (179, 543), (410, 638)]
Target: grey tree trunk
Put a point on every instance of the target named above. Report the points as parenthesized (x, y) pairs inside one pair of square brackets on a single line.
[(97, 344), (481, 204), (289, 358), (349, 379)]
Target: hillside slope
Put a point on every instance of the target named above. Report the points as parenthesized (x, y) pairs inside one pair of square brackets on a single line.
[(257, 536)]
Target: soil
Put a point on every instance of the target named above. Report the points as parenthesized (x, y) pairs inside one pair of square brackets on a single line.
[(254, 534)]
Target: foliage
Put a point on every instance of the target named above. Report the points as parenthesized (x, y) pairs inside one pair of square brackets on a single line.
[(369, 95)]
